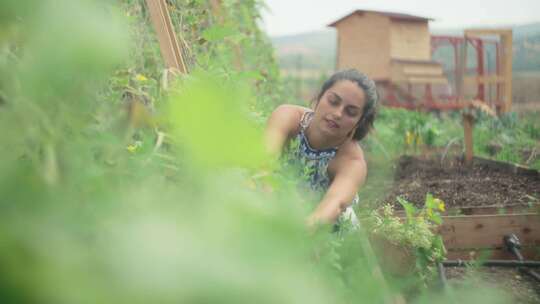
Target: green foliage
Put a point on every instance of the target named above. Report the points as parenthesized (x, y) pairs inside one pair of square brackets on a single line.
[(415, 232), (411, 130), (100, 205), (210, 119), (419, 128), (215, 33), (95, 211), (509, 138), (230, 43)]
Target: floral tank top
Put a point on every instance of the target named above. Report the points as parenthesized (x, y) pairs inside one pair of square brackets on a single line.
[(314, 166)]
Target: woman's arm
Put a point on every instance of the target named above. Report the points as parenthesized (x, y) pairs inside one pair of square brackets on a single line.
[(350, 174), (281, 126)]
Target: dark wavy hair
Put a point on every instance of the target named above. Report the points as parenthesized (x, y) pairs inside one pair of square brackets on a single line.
[(365, 124)]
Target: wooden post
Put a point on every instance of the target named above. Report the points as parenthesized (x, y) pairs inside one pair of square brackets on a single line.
[(170, 49), (468, 119), (506, 41), (468, 122)]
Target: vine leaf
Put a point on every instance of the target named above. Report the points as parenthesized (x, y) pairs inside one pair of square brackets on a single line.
[(410, 210), (216, 33)]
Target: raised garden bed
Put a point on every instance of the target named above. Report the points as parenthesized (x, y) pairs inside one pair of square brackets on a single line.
[(484, 202), (487, 184)]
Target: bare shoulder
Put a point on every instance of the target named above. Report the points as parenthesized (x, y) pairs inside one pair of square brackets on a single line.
[(349, 157), (289, 111), (287, 117), (351, 151)]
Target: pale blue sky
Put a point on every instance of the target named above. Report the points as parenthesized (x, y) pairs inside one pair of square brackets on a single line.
[(297, 16)]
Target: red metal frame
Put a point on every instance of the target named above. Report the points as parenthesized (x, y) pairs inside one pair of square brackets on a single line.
[(391, 99), (448, 102)]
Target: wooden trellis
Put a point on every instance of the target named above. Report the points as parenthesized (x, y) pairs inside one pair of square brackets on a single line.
[(168, 43)]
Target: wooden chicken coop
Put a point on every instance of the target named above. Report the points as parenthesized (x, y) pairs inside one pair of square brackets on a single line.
[(396, 51), (393, 49)]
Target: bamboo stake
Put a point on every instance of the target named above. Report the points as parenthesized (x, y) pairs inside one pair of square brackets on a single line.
[(169, 47)]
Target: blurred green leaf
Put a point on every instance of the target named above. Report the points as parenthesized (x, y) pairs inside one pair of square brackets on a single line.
[(218, 32), (210, 118)]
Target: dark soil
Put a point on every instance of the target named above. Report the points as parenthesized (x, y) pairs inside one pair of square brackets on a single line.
[(519, 287), (461, 186), (480, 185)]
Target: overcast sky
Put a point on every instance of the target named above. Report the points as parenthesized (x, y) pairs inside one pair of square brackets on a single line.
[(296, 16)]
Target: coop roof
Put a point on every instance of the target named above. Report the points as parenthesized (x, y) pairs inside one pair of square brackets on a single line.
[(391, 15)]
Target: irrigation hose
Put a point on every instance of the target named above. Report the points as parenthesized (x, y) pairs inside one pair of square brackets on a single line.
[(492, 263), (531, 273), (513, 245)]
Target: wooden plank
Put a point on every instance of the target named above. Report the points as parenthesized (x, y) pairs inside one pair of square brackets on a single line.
[(486, 32), (490, 79), (423, 70), (413, 62), (529, 253), (172, 36), (169, 47), (487, 231), (496, 210), (485, 210), (424, 80)]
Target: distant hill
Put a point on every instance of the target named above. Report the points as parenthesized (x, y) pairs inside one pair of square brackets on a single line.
[(317, 50), (527, 30), (312, 50), (519, 31)]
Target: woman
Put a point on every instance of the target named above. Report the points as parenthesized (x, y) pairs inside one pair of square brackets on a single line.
[(326, 141)]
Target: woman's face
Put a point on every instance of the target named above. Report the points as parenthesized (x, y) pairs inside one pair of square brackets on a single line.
[(340, 108)]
